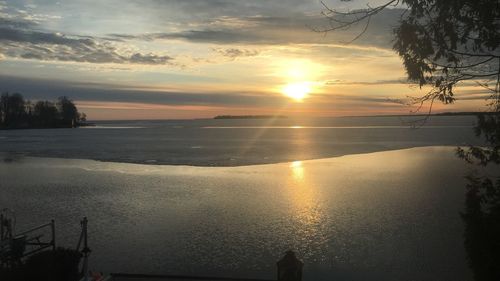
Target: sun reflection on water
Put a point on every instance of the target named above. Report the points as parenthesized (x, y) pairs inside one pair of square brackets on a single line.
[(297, 170), (305, 206)]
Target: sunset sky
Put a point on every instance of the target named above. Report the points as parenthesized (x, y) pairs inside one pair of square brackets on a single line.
[(154, 59)]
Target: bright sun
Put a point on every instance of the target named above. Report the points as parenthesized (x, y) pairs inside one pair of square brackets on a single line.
[(297, 91), (299, 78)]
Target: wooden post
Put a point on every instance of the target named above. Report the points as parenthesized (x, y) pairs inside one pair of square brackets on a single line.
[(5, 227), (53, 229), (85, 250), (1, 227), (290, 268)]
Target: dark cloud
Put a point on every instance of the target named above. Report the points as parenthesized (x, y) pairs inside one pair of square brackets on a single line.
[(272, 30), (203, 9), (38, 89), (234, 53), (139, 58), (474, 94), (11, 34), (16, 23), (220, 22), (210, 36), (378, 82), (20, 40), (51, 89), (121, 37)]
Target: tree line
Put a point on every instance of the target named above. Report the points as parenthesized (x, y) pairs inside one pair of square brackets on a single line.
[(18, 113)]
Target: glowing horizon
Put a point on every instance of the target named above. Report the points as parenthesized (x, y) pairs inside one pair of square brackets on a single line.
[(116, 63)]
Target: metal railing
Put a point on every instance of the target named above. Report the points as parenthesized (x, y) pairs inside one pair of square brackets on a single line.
[(16, 246)]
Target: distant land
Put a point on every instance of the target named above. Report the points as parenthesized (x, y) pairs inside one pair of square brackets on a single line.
[(249, 117), (387, 115), (18, 113), (432, 114)]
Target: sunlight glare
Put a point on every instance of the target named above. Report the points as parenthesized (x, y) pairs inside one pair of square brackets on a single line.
[(297, 91), (297, 170)]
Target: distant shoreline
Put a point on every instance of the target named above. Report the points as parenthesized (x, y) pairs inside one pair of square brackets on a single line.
[(473, 113), (250, 117), (287, 117), (79, 125)]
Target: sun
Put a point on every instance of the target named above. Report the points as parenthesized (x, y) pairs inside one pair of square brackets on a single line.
[(299, 78), (297, 91)]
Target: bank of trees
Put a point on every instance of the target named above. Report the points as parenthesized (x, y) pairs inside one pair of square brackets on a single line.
[(16, 113)]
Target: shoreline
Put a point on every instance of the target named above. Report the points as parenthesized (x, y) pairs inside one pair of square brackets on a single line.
[(45, 128)]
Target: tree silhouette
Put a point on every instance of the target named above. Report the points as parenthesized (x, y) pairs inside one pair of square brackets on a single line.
[(443, 44), (15, 112), (45, 114), (482, 202), (68, 111), (12, 109)]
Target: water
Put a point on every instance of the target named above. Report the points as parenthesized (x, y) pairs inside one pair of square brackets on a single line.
[(236, 142), (389, 215), (383, 216)]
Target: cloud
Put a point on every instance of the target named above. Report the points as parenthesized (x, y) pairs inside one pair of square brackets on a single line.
[(217, 36), (234, 53), (377, 82), (51, 89), (220, 22), (150, 58), (15, 23), (275, 30), (20, 39), (14, 34), (202, 9), (81, 91), (474, 94)]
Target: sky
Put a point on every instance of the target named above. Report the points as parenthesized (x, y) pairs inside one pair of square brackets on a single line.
[(182, 59)]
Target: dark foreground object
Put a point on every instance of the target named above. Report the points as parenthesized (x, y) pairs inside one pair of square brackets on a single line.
[(54, 265), (147, 277), (289, 269)]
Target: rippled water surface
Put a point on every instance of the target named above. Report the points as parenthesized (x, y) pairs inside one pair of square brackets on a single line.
[(390, 215), (237, 142)]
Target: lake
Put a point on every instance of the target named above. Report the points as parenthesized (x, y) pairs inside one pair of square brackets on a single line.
[(389, 209), (235, 142)]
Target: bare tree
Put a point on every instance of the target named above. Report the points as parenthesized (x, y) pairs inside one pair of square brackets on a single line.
[(443, 43)]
